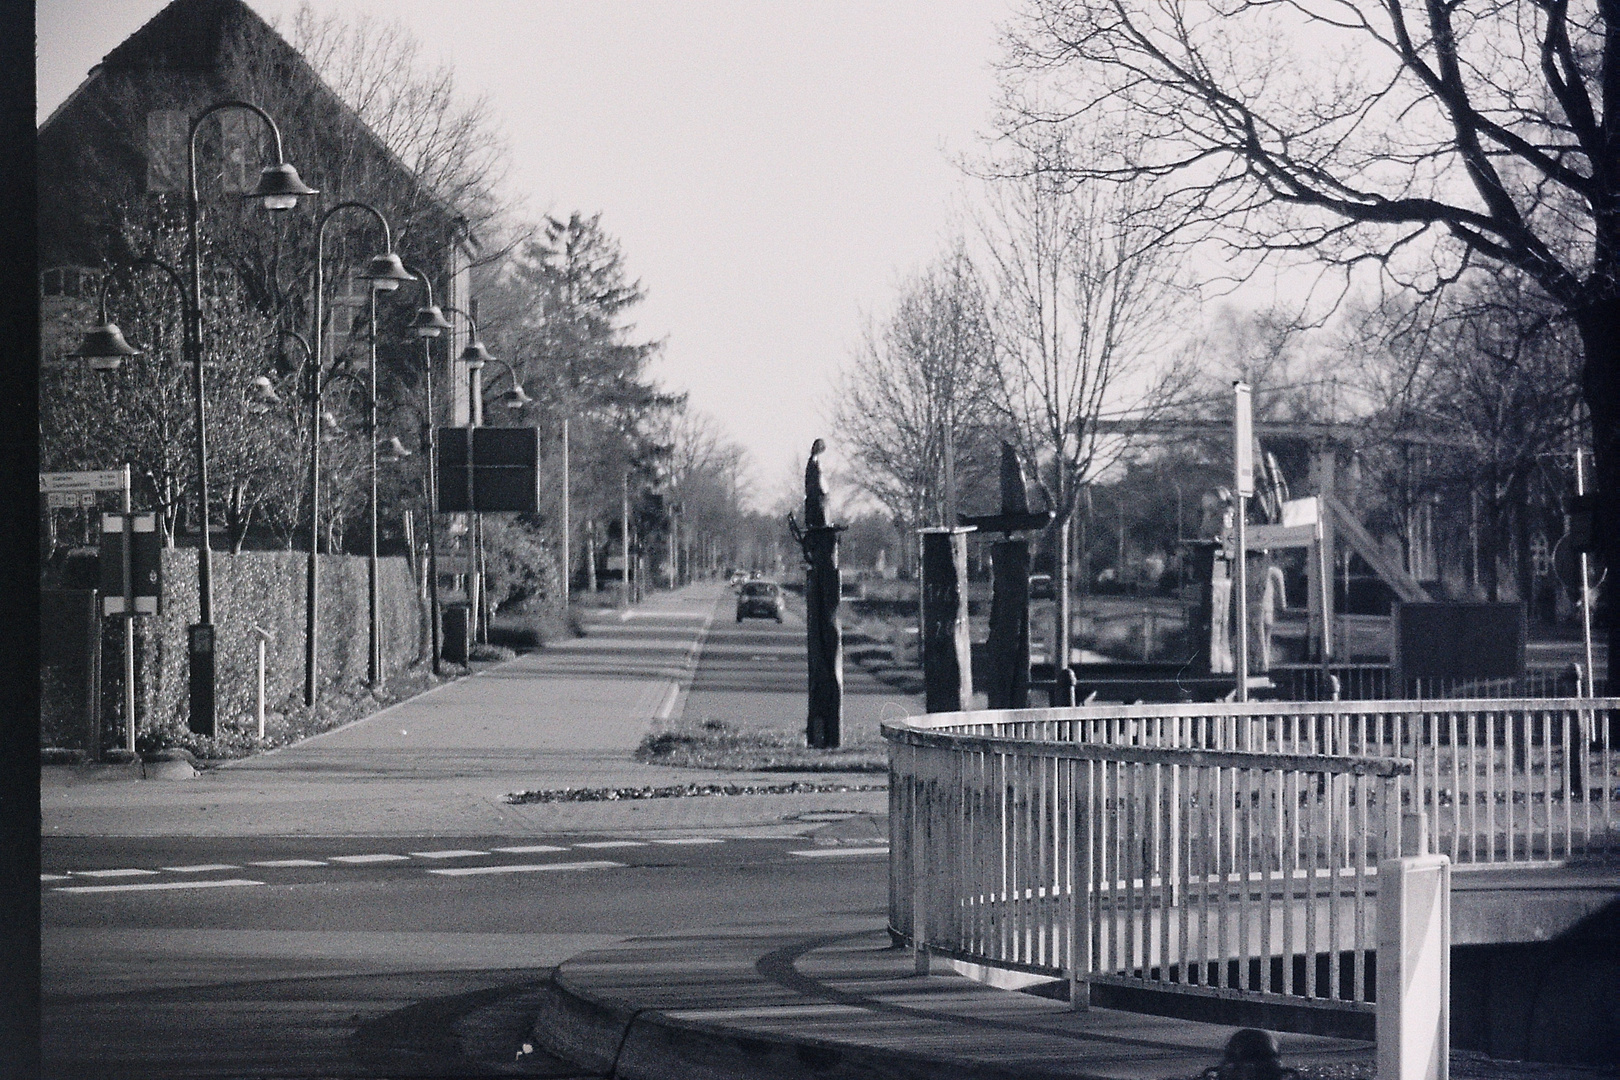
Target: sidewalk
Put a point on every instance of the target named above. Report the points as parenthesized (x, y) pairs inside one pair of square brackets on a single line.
[(836, 1000), (443, 763)]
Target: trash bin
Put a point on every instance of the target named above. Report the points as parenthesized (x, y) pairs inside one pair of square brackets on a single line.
[(455, 638)]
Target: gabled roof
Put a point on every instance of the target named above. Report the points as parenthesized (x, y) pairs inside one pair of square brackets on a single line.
[(192, 36), (188, 35)]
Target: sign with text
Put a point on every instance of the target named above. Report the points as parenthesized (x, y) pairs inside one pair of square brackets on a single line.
[(93, 480)]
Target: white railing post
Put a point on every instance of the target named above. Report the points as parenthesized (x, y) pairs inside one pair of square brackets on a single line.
[(1414, 968)]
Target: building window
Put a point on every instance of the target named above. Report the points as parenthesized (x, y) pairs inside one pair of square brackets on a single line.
[(67, 281), (166, 131)]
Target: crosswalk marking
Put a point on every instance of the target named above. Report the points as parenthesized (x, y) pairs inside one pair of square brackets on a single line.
[(528, 849), (691, 840), (448, 853), (290, 862), (831, 852), (116, 873), (53, 877), (524, 868), (201, 868), (150, 886), (356, 859), (613, 843)]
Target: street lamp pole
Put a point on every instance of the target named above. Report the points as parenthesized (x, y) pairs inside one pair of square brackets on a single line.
[(384, 272), (429, 324), (279, 188), (474, 356)]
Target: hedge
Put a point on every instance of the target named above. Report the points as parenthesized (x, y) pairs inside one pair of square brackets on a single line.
[(267, 589)]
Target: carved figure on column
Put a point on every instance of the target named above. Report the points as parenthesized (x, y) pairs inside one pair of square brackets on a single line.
[(815, 489)]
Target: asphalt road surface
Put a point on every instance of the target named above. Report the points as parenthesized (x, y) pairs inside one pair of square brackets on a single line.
[(169, 957), (274, 951)]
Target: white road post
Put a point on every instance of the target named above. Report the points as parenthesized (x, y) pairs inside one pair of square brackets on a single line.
[(1414, 968)]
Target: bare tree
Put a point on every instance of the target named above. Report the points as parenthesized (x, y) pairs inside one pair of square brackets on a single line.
[(1085, 299), (452, 146), (915, 412), (1365, 131)]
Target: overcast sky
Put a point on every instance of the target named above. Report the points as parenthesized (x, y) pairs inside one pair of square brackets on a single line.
[(771, 169)]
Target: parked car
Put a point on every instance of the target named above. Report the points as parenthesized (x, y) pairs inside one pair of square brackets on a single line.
[(759, 599)]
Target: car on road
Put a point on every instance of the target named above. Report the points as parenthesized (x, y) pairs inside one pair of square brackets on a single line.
[(759, 599)]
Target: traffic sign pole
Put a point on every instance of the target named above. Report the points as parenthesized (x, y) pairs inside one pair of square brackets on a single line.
[(1243, 487), (1586, 591), (129, 616)]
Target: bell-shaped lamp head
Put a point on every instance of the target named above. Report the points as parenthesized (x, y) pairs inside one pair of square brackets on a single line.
[(515, 398), (430, 321), (264, 395), (385, 272), (279, 187), (475, 355), (105, 348)]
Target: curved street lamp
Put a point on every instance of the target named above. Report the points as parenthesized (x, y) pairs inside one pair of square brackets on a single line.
[(279, 188), (428, 324), (475, 356), (384, 273)]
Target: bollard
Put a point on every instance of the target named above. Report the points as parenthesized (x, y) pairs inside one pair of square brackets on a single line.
[(1414, 968), (258, 697)]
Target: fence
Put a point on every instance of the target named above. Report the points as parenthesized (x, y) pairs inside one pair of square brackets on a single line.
[(1222, 851)]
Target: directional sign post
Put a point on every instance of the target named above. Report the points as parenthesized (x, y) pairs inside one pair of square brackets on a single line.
[(1242, 488), (79, 489)]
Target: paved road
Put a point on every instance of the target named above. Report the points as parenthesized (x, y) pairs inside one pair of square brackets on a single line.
[(368, 904), (161, 959)]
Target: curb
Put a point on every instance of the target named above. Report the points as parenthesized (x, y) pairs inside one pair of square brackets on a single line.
[(622, 1042)]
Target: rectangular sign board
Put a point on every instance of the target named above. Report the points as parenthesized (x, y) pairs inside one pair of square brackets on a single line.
[(94, 480), (70, 500), (1459, 640), (1242, 440)]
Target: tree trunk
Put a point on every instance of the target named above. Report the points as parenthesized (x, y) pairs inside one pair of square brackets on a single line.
[(1599, 325)]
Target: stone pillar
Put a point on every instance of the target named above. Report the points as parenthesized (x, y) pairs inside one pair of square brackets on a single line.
[(825, 638), (946, 650), (1007, 677)]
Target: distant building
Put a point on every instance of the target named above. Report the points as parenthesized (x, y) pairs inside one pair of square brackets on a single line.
[(112, 165)]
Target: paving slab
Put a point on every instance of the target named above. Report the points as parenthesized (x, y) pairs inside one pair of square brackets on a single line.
[(835, 999)]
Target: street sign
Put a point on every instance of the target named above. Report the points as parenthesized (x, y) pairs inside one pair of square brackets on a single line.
[(94, 480), (488, 470), (1242, 440), (142, 589), (70, 500)]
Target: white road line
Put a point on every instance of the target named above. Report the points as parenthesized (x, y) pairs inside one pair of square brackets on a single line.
[(833, 852), (528, 849), (524, 868), (448, 853), (201, 868), (612, 843), (291, 862), (149, 886), (691, 840), (370, 858), (53, 877), (115, 873)]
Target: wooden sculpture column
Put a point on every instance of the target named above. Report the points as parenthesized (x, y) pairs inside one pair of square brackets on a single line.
[(822, 587)]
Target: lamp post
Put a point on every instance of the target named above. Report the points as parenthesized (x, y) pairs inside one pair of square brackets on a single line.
[(475, 356), (279, 188), (384, 273), (105, 348), (429, 324)]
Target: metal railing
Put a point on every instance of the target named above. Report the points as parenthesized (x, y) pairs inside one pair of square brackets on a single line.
[(1222, 850)]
